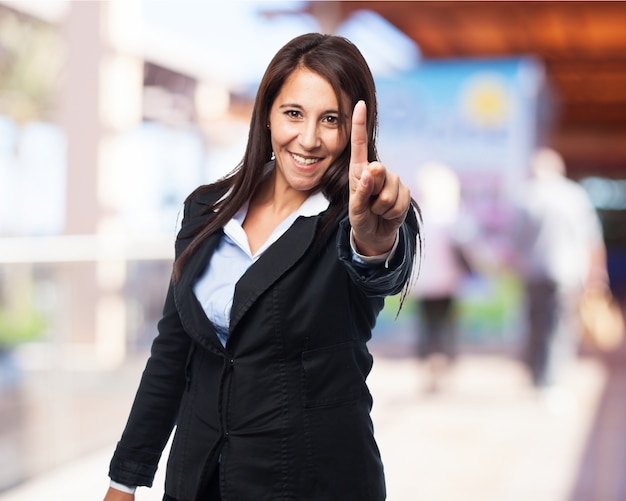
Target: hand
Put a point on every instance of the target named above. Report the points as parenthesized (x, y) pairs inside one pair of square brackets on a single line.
[(116, 495), (379, 202)]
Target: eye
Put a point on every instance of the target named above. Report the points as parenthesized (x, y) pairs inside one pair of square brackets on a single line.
[(331, 119), (293, 113)]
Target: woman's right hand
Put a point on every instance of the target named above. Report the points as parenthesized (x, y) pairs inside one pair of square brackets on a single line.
[(117, 495), (379, 201)]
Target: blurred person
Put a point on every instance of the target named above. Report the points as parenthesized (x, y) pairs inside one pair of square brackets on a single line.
[(444, 267), (559, 251), (281, 269)]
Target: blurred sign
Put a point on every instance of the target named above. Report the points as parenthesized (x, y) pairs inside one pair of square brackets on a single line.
[(477, 116)]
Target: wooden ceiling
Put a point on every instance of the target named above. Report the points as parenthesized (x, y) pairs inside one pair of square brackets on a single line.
[(582, 44)]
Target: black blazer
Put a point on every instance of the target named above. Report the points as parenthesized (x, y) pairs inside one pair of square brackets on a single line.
[(284, 408)]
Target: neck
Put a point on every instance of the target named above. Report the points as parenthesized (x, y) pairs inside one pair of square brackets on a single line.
[(278, 199)]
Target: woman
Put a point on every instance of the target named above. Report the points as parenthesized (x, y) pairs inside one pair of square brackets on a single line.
[(281, 269)]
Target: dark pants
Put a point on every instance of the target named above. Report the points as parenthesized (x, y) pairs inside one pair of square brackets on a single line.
[(211, 493), (553, 330), (436, 327)]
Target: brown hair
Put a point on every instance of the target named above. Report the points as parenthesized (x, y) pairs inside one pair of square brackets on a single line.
[(338, 61)]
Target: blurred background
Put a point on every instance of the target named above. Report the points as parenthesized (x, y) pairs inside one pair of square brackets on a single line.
[(111, 112)]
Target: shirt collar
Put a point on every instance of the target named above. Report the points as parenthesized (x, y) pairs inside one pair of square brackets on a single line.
[(315, 204), (312, 206)]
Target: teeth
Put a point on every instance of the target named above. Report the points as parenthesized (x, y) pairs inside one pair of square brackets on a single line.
[(304, 161)]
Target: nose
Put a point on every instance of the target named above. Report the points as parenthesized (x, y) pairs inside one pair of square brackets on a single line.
[(309, 135)]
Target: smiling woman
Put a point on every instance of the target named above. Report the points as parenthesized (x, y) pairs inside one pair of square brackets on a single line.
[(281, 269), (306, 134)]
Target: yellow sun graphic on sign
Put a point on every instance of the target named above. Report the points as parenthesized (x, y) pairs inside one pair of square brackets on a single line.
[(484, 100)]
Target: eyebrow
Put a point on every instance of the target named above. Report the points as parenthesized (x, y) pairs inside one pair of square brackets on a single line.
[(299, 106)]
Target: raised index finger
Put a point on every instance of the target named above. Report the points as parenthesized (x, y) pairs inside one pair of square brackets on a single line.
[(358, 139)]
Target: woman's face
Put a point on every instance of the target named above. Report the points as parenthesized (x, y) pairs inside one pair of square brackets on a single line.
[(306, 130)]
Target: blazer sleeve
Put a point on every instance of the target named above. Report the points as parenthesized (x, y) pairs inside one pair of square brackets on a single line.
[(155, 408), (380, 280)]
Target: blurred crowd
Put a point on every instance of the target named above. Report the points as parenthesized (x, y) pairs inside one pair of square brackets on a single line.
[(554, 247)]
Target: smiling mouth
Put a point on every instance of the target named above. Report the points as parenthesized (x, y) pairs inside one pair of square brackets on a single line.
[(305, 161)]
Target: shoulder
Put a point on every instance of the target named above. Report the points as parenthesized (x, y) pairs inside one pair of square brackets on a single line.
[(198, 207), (202, 198), (206, 194)]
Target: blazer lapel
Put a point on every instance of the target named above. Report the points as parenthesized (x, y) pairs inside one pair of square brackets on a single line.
[(274, 262), (190, 310)]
